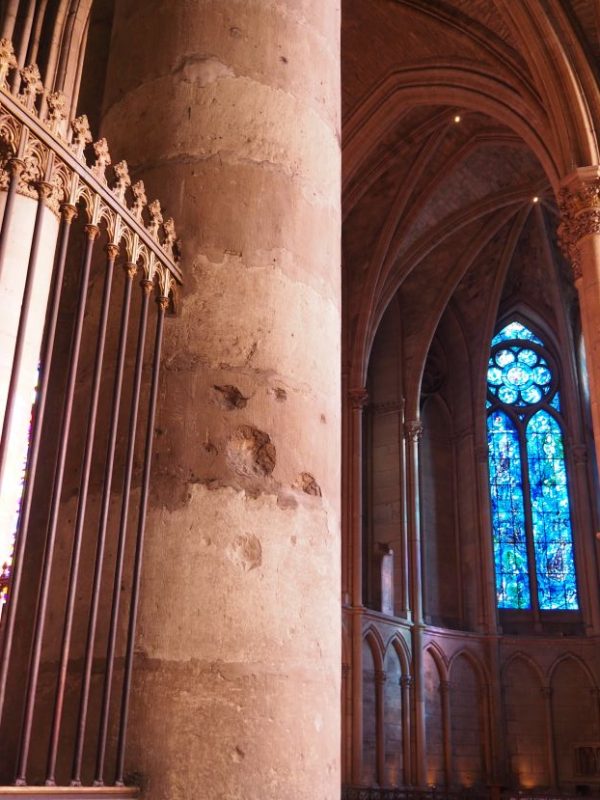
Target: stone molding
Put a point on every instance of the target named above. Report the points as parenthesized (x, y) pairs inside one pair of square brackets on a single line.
[(391, 407)]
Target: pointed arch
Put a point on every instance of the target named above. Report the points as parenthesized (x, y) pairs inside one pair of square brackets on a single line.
[(373, 638), (477, 664), (439, 658), (399, 645), (570, 656), (531, 663)]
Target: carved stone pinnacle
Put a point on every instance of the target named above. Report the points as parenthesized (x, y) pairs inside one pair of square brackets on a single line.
[(156, 218), (123, 180), (102, 159), (56, 110), (139, 193), (81, 135), (32, 85), (7, 59), (170, 237)]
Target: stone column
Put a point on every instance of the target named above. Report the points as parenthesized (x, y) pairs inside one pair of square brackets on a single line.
[(380, 679), (579, 237), (413, 431), (358, 399), (405, 684), (445, 690), (231, 112), (549, 716), (488, 608)]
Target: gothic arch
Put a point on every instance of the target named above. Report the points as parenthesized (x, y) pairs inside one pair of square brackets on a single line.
[(531, 663), (399, 645), (478, 665), (373, 638), (439, 658), (453, 85), (565, 657)]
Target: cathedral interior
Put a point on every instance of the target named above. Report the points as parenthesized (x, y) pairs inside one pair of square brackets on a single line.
[(298, 464)]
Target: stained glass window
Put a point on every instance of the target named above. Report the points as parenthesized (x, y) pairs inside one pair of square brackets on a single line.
[(7, 537), (531, 516)]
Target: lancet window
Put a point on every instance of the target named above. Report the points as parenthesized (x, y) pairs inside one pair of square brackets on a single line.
[(529, 488)]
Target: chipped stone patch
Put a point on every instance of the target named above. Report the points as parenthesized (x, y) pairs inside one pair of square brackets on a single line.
[(307, 483), (246, 552), (251, 453), (229, 397)]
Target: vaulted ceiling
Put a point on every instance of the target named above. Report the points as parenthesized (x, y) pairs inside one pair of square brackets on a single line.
[(454, 147)]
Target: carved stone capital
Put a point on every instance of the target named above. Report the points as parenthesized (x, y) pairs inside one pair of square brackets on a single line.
[(69, 212), (413, 430), (112, 251), (130, 269), (380, 676), (405, 682), (359, 398), (579, 205)]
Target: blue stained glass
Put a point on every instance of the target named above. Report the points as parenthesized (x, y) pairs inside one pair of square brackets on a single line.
[(508, 515), (514, 330), (551, 518), (518, 375)]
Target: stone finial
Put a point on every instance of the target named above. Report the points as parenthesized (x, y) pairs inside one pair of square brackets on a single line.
[(31, 83), (123, 180), (82, 135), (102, 159), (8, 60), (579, 205), (156, 218), (57, 102), (169, 244), (140, 199)]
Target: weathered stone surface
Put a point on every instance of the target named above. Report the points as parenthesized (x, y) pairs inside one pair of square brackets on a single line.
[(236, 123)]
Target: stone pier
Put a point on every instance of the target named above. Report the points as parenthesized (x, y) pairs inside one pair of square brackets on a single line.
[(230, 111)]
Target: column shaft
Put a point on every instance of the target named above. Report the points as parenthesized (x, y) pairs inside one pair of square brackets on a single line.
[(231, 113)]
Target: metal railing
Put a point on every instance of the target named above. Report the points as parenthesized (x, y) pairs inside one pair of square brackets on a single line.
[(412, 793), (44, 159)]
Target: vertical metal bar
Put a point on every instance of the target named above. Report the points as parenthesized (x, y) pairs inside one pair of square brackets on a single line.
[(44, 588), (68, 213), (116, 595), (139, 547), (80, 518), (24, 318), (16, 166), (100, 546)]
